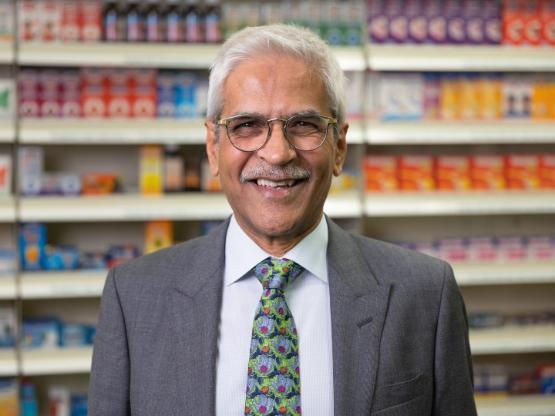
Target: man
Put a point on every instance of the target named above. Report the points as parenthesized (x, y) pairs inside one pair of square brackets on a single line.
[(279, 311)]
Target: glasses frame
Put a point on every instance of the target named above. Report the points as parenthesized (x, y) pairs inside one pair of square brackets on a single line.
[(225, 121)]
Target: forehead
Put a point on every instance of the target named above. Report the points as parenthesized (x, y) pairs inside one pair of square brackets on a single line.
[(274, 85)]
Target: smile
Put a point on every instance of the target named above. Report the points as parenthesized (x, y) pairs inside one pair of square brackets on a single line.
[(276, 184)]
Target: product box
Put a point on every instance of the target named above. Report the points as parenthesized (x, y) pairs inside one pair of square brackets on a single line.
[(50, 103), (378, 22), (436, 20), (416, 173), (355, 85), (59, 401), (380, 173), (532, 22), (49, 16), (99, 183), (481, 249), (542, 99), (201, 97), (121, 253), (469, 99), (143, 93), (401, 96), (450, 96), (456, 25), (60, 184), (70, 20), (193, 179), (40, 333), (348, 180), (185, 96), (417, 22), (7, 262), (151, 170), (61, 258), (6, 98), (548, 21), (92, 261), (5, 175), (74, 335), (517, 96), (90, 22), (6, 21), (166, 100), (547, 171), (490, 105), (70, 93), (94, 93), (372, 95), (452, 249), (352, 20), (546, 375), (491, 12), (487, 172), (29, 88), (511, 249), (540, 248), (79, 405), (398, 21), (513, 21), (30, 168), (28, 20), (474, 21), (8, 327), (452, 173), (522, 171), (119, 93), (9, 400), (432, 96), (158, 235), (174, 175), (32, 246)]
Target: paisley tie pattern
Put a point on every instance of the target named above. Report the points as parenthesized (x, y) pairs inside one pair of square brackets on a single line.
[(273, 385)]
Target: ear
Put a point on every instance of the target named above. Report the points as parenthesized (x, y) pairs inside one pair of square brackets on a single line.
[(212, 148), (340, 150)]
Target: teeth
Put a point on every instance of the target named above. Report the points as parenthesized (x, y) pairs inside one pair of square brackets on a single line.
[(275, 184)]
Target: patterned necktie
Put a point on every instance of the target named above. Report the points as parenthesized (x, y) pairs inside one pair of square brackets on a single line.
[(273, 386)]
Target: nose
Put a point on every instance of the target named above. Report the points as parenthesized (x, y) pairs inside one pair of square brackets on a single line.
[(277, 150)]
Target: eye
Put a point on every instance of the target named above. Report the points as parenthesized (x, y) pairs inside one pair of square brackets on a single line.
[(305, 125), (246, 126)]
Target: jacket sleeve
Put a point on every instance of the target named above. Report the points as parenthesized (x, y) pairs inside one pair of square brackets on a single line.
[(453, 381), (109, 382)]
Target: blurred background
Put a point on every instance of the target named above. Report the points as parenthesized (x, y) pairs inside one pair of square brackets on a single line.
[(451, 106)]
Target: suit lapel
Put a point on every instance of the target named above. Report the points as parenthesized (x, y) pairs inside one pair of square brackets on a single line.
[(196, 303), (358, 310)]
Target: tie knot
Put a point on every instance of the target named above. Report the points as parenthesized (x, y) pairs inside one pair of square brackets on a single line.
[(276, 273)]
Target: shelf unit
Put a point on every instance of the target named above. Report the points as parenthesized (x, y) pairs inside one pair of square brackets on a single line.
[(533, 405), (8, 362), (7, 55), (459, 58), (7, 131), (416, 204), (7, 209), (504, 273), (52, 361), (62, 284), (8, 287), (460, 132), (513, 340)]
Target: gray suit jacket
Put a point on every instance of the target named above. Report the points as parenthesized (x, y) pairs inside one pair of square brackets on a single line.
[(399, 332)]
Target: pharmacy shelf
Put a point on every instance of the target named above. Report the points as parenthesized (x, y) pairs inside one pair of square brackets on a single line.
[(111, 131), (460, 132), (6, 52), (7, 209), (459, 58), (62, 284), (508, 273), (8, 287), (197, 206), (82, 131), (8, 362), (533, 405), (73, 360), (415, 204), (513, 340), (7, 131), (145, 55)]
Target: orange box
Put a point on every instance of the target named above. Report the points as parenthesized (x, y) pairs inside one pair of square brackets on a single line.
[(94, 94), (547, 171), (416, 173), (380, 173), (532, 22), (452, 173), (548, 21), (469, 104), (487, 172), (513, 22), (99, 183), (143, 93), (69, 30), (158, 235), (522, 171), (119, 93), (450, 93), (490, 97), (90, 20), (540, 105)]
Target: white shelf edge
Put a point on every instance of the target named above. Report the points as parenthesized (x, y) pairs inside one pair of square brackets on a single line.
[(400, 204), (507, 273), (112, 131), (533, 405), (344, 204), (62, 284), (72, 360), (6, 52), (8, 287), (8, 362), (7, 209), (7, 130), (459, 58), (513, 340), (459, 132)]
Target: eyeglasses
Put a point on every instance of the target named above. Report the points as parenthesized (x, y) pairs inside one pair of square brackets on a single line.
[(250, 132)]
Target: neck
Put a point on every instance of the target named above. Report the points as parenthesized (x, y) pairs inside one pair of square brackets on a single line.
[(277, 246)]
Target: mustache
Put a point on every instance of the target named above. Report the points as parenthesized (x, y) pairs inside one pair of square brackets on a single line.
[(274, 173)]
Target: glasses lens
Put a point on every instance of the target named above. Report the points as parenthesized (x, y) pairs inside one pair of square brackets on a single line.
[(307, 132), (248, 132)]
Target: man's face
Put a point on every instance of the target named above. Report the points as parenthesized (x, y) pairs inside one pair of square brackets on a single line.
[(266, 207)]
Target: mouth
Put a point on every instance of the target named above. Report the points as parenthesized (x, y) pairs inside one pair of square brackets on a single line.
[(270, 183)]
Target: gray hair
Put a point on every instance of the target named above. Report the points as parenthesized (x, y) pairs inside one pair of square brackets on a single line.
[(277, 39)]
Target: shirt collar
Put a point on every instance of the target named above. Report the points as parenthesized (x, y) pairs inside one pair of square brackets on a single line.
[(242, 253)]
